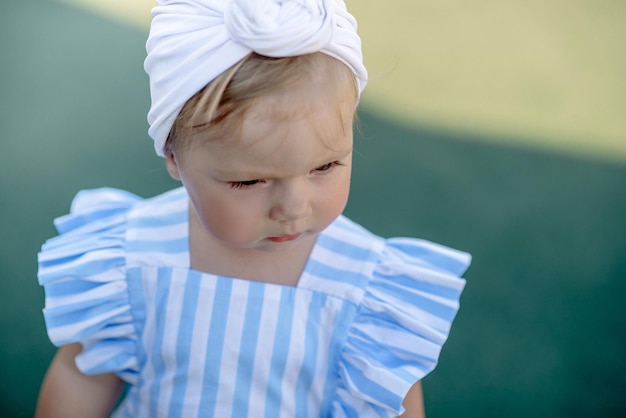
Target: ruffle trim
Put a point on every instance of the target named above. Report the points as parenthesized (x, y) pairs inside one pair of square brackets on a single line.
[(400, 328), (83, 271)]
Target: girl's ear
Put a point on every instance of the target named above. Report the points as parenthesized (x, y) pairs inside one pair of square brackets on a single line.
[(172, 165)]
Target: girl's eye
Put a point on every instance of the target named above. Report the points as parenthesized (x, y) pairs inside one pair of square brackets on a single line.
[(244, 184), (327, 167)]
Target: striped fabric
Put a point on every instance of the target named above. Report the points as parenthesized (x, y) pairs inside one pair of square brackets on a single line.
[(366, 320)]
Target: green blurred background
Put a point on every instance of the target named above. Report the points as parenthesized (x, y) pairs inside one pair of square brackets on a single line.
[(493, 127)]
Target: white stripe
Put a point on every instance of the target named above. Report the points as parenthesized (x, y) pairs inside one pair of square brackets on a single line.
[(77, 266), (118, 327), (325, 334), (372, 373), (459, 256), (90, 200), (141, 259), (263, 354), (421, 273), (66, 332), (230, 354), (341, 262), (158, 234), (295, 357), (331, 286), (170, 339), (100, 293), (106, 276), (149, 209), (428, 345), (97, 355), (357, 237), (417, 313), (72, 249), (198, 349), (149, 284)]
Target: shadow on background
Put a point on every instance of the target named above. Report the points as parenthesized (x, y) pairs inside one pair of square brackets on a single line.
[(540, 332)]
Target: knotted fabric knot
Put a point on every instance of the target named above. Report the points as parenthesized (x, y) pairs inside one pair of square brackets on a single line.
[(280, 28)]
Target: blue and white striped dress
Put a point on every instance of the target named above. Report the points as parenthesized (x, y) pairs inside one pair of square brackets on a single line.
[(366, 320)]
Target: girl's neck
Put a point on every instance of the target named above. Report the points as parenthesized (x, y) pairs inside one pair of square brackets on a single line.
[(282, 268)]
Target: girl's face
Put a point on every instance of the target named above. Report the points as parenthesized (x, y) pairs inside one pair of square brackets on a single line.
[(283, 177)]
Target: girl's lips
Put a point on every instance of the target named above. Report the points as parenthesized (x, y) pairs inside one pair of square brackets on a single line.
[(284, 238)]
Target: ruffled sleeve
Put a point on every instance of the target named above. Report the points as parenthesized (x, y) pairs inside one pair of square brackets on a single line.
[(401, 326), (84, 275)]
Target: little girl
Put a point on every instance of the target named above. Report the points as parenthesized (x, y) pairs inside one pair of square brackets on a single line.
[(245, 293)]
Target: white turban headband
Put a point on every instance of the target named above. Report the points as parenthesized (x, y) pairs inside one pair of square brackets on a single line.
[(191, 42)]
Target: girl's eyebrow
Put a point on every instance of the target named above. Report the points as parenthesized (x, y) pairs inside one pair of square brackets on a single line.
[(245, 174)]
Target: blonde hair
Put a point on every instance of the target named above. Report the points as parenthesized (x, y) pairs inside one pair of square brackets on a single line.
[(222, 103)]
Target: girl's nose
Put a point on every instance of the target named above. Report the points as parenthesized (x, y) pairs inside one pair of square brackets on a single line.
[(292, 202)]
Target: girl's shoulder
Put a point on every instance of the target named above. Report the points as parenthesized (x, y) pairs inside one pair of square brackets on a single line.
[(410, 296), (84, 270)]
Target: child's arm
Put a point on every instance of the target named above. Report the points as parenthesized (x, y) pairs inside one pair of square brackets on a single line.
[(414, 402), (67, 392)]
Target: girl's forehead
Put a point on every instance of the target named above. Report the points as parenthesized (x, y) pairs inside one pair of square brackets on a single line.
[(330, 98), (288, 128), (319, 121), (328, 118), (331, 86), (285, 109)]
